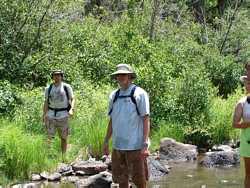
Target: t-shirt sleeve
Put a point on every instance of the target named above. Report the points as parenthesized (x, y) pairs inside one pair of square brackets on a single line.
[(143, 104)]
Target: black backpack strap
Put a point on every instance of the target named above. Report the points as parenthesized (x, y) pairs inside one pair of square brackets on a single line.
[(66, 91), (134, 100), (49, 91), (67, 95), (114, 100)]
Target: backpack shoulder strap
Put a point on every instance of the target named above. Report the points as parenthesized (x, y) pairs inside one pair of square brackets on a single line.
[(133, 99), (114, 100), (49, 91), (66, 91)]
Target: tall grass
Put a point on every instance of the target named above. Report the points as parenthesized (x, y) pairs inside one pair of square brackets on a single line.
[(22, 153), (165, 129), (221, 118), (90, 135)]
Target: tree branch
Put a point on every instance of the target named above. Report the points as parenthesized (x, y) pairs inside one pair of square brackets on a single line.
[(153, 19), (38, 33), (237, 5)]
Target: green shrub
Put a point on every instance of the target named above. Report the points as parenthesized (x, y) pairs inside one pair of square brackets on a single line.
[(29, 114), (9, 98)]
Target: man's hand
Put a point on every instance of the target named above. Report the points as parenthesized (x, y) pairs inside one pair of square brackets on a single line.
[(71, 112), (145, 153), (245, 125), (105, 148)]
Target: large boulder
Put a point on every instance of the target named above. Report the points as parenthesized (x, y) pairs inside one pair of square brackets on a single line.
[(176, 151), (221, 158), (89, 167), (157, 168)]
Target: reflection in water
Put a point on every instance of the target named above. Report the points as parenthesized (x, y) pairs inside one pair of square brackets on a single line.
[(191, 175)]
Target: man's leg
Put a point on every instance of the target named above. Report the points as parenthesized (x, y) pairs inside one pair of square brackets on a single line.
[(63, 145), (120, 169), (63, 131), (50, 128), (139, 169)]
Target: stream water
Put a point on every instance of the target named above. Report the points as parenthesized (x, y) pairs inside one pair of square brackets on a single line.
[(192, 175), (187, 175)]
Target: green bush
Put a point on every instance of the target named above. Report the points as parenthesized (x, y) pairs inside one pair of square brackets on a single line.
[(29, 114), (9, 98)]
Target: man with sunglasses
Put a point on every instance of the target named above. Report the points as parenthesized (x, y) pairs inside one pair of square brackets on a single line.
[(129, 127)]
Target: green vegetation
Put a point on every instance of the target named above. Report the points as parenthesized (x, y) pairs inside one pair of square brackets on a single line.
[(188, 56)]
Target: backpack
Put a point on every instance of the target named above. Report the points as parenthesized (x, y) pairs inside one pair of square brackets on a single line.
[(131, 95), (59, 109)]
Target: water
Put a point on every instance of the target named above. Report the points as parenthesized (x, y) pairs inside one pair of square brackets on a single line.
[(188, 175), (191, 175)]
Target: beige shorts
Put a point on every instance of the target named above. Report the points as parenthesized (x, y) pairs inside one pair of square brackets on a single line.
[(61, 125)]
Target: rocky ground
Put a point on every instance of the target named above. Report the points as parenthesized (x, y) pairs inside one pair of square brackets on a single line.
[(97, 174)]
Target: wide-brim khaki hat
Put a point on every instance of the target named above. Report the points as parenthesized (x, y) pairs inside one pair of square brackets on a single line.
[(123, 69)]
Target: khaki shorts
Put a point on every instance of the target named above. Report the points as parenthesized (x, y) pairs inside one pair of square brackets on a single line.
[(129, 163), (61, 125)]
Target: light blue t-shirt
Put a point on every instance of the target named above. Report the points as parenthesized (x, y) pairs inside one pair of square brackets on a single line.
[(127, 125)]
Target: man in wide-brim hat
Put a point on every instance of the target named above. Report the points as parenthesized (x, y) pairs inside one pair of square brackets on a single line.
[(129, 127)]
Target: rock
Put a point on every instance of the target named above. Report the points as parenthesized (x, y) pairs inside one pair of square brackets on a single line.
[(67, 173), (221, 158), (36, 177), (71, 179), (80, 173), (51, 177), (27, 185), (62, 168), (157, 168), (222, 148), (107, 160), (82, 183), (90, 167), (101, 180), (65, 169), (172, 150)]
